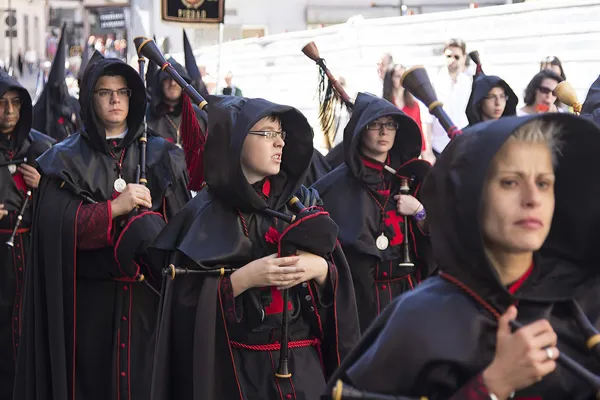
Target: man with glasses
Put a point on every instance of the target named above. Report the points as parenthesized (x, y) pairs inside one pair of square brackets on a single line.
[(453, 88), (17, 142), (364, 198), (490, 99), (166, 104), (92, 301)]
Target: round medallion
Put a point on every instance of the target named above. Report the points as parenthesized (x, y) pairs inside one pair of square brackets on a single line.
[(382, 242), (120, 185), (12, 168)]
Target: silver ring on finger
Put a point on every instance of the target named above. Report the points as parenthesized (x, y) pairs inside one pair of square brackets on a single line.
[(549, 353)]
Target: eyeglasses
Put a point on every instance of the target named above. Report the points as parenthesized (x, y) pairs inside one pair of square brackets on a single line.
[(271, 135), (15, 103), (545, 90), (502, 98), (456, 57), (106, 94), (377, 126)]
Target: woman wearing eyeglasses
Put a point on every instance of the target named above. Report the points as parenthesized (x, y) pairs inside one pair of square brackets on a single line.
[(363, 197), (539, 96), (491, 99)]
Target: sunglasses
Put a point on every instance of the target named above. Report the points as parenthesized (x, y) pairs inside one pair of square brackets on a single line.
[(453, 56), (545, 90)]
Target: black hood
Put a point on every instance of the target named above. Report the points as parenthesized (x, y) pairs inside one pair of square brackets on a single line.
[(591, 106), (481, 87), (157, 107), (452, 195), (367, 108), (25, 116), (192, 67), (93, 129), (229, 120)]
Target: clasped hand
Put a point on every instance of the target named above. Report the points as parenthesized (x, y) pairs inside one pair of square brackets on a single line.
[(133, 196)]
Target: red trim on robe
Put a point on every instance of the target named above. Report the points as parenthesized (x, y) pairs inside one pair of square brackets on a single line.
[(20, 181), (94, 226), (515, 286)]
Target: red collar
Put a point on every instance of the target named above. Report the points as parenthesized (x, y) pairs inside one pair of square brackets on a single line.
[(266, 187), (512, 288), (373, 164)]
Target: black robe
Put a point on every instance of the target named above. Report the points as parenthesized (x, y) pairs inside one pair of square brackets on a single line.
[(481, 88), (23, 143), (214, 346), (89, 323), (354, 192), (436, 340), (319, 167), (160, 117), (591, 105)]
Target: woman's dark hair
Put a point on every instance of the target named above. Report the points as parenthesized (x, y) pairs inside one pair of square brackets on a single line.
[(535, 83), (388, 86), (553, 61)]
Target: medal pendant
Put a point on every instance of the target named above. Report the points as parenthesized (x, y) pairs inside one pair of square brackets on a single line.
[(120, 185), (382, 242), (12, 168)]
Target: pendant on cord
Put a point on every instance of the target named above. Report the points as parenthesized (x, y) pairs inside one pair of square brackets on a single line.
[(12, 168), (382, 242), (120, 185)]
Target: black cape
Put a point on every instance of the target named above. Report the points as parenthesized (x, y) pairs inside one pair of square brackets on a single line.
[(481, 87), (319, 167), (591, 105), (437, 337), (160, 118), (197, 356), (89, 326), (348, 193), (335, 156), (22, 143)]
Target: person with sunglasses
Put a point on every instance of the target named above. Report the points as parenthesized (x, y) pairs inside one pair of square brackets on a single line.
[(539, 94), (490, 99), (364, 199), (453, 87), (88, 329), (219, 334)]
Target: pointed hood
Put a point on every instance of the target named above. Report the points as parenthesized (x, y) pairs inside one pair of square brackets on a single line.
[(157, 106), (229, 120), (93, 130), (367, 108), (452, 194), (192, 67), (591, 106), (24, 125), (85, 58), (481, 87), (151, 71)]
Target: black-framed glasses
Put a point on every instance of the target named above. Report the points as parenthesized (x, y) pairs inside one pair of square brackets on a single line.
[(107, 93), (456, 57), (271, 135), (15, 103), (377, 126), (545, 90)]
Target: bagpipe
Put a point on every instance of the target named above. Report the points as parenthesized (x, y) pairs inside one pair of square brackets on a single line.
[(342, 391), (406, 174), (291, 239), (566, 94), (35, 150)]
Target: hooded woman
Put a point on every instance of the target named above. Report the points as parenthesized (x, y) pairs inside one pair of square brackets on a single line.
[(365, 202), (497, 194), (491, 98), (219, 336)]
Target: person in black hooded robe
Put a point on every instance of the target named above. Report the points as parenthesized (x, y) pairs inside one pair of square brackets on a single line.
[(365, 202), (89, 324), (497, 194), (591, 105), (164, 114), (17, 141), (491, 98), (219, 336)]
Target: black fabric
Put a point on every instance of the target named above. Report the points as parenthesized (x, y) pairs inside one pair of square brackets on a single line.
[(86, 321), (350, 194), (335, 156), (319, 167), (437, 337), (160, 116), (194, 359), (23, 142), (56, 113), (192, 67), (481, 87), (591, 105)]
